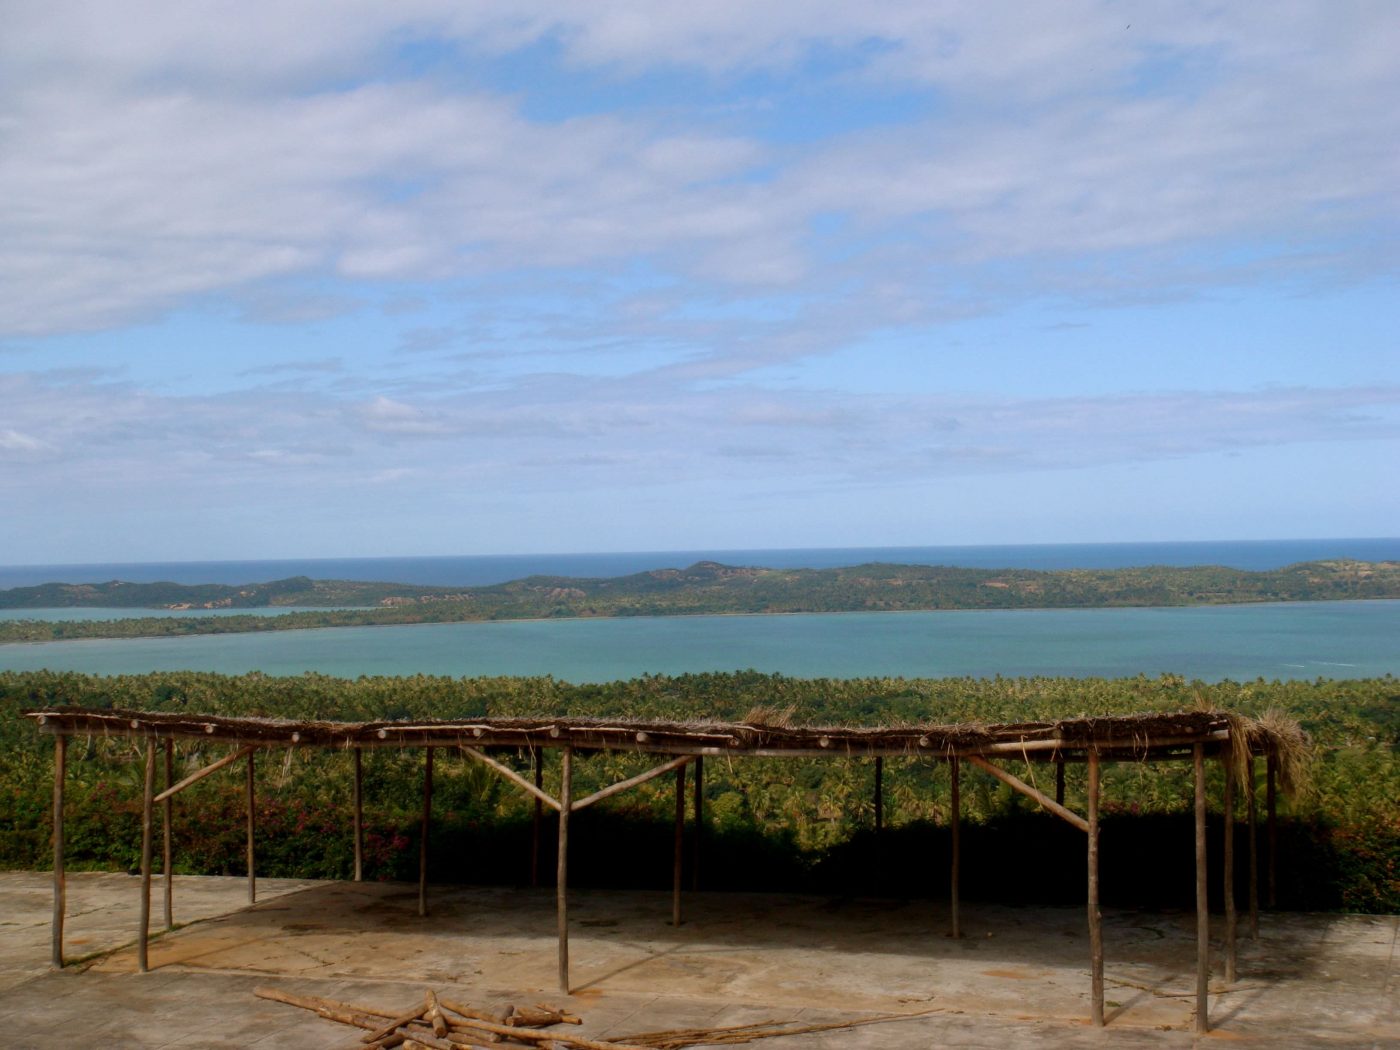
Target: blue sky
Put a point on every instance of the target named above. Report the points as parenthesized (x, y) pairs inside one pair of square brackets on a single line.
[(284, 280)]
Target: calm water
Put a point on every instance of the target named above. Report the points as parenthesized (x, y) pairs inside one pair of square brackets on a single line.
[(1305, 640), (488, 569)]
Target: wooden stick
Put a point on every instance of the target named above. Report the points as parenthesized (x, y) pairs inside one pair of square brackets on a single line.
[(60, 882), (955, 805), (388, 1027), (679, 858), (359, 815), (423, 832), (1228, 860), (1253, 852), (433, 1014), (147, 819), (1031, 793), (527, 1035), (511, 775), (167, 832), (1095, 917), (631, 782), (252, 828), (1271, 825), (697, 832), (566, 793), (537, 757), (330, 1009), (879, 794), (501, 1015), (198, 775), (1202, 897)]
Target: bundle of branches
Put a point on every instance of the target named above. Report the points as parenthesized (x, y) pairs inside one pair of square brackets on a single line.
[(441, 1024)]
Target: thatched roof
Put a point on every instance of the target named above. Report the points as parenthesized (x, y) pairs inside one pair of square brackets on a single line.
[(1152, 735)]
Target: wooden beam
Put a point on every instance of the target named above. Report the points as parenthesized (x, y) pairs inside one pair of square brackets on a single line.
[(879, 794), (1271, 826), (698, 832), (1228, 860), (511, 775), (167, 840), (566, 791), (212, 767), (358, 798), (1250, 807), (1202, 898), (60, 884), (252, 830), (423, 832), (1095, 917), (955, 819), (679, 858), (631, 782), (1031, 793), (537, 759), (147, 819)]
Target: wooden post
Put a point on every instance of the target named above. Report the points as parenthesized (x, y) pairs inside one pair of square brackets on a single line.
[(147, 819), (1253, 852), (566, 801), (252, 827), (1228, 860), (879, 793), (956, 819), (60, 886), (538, 755), (168, 850), (1202, 896), (1059, 783), (1095, 918), (1271, 826), (697, 832), (679, 859), (423, 832), (359, 796)]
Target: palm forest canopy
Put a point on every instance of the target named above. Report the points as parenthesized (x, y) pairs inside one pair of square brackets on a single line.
[(704, 588), (770, 823)]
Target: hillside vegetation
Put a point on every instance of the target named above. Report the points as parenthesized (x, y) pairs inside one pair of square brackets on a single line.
[(703, 588), (771, 823)]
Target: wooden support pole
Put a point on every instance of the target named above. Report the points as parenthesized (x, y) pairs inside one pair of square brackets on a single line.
[(1031, 793), (698, 831), (198, 775), (879, 793), (1253, 851), (60, 886), (147, 819), (631, 782), (252, 829), (359, 800), (955, 804), (1228, 860), (1095, 918), (679, 858), (1202, 897), (538, 756), (566, 794), (1059, 783), (511, 775), (423, 832), (167, 833), (1271, 827)]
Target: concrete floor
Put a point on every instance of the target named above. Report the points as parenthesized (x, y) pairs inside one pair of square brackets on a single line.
[(1017, 978)]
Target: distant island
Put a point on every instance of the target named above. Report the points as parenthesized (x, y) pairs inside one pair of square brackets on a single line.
[(705, 588)]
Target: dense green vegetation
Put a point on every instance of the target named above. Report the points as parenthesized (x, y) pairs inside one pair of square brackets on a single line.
[(771, 823), (704, 588)]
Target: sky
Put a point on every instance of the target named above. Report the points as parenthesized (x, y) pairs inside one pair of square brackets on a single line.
[(294, 279)]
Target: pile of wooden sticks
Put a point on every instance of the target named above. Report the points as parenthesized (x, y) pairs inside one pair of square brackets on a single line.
[(441, 1024)]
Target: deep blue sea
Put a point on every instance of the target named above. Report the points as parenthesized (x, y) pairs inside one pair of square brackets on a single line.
[(473, 570), (1240, 642)]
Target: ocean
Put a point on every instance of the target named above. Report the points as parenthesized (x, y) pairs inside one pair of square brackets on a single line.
[(1212, 643), (476, 570)]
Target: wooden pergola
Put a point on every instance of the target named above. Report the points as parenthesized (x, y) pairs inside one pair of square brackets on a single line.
[(1195, 736)]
